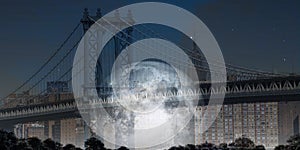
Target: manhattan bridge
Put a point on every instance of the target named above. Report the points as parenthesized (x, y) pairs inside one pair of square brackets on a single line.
[(47, 93)]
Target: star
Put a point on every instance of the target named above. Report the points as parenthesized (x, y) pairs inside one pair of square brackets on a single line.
[(284, 59)]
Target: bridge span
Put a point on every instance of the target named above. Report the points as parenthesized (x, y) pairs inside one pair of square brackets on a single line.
[(251, 91)]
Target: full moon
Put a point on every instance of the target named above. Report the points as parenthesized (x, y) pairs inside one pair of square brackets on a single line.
[(146, 98), (148, 81)]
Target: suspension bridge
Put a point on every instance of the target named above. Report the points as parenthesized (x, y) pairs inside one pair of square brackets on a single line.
[(47, 93)]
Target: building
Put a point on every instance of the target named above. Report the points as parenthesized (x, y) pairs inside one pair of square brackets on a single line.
[(36, 130), (66, 131), (52, 129), (81, 132), (57, 87), (53, 97), (257, 121), (30, 130), (16, 100), (20, 131), (288, 120), (58, 90)]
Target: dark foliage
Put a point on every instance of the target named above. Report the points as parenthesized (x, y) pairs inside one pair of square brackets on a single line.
[(123, 148), (35, 143), (8, 141), (244, 143), (94, 144), (50, 144)]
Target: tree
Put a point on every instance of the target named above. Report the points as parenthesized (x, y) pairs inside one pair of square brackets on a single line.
[(93, 144), (223, 145), (260, 147), (69, 147), (244, 143), (35, 143), (207, 145), (280, 147), (123, 148), (231, 144), (21, 145), (294, 141), (7, 139), (190, 146), (174, 148), (50, 144)]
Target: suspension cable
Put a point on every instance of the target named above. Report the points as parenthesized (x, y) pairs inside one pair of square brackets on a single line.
[(46, 63)]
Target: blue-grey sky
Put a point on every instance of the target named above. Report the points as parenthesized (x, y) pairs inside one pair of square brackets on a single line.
[(258, 34)]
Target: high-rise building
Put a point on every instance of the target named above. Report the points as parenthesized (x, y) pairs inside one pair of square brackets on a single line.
[(52, 130), (257, 121), (66, 131), (288, 120), (80, 132)]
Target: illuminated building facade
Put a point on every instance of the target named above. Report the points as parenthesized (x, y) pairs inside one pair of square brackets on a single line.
[(257, 121)]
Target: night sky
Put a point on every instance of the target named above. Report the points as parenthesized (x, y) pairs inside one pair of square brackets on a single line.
[(257, 34)]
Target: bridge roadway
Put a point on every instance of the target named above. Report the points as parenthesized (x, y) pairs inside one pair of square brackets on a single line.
[(251, 91)]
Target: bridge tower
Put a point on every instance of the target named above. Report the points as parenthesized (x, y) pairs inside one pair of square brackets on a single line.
[(92, 43)]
